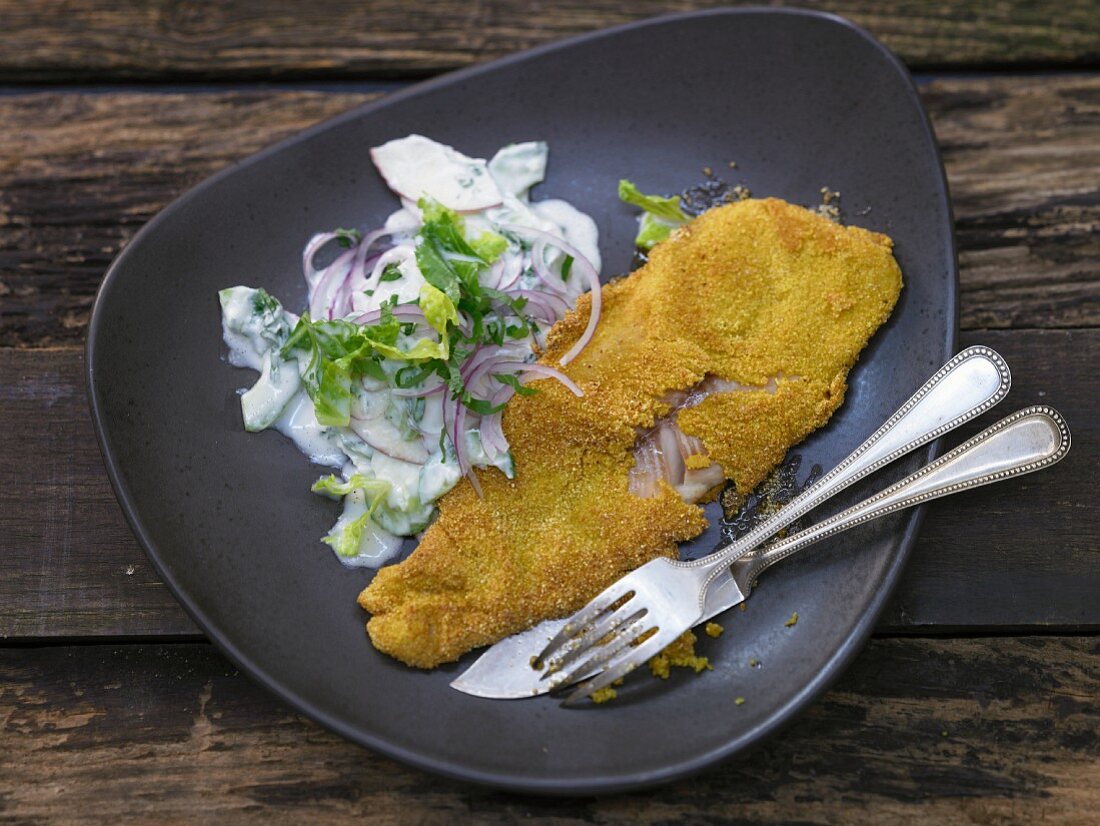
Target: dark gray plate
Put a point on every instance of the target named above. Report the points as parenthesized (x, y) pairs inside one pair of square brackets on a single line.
[(799, 100)]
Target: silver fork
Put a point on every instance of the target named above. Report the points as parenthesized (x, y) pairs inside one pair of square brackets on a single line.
[(968, 385), (1026, 441)]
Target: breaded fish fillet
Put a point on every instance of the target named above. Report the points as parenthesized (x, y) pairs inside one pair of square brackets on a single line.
[(759, 295)]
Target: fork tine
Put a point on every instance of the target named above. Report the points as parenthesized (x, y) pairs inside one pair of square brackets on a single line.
[(583, 645), (632, 658), (584, 617), (620, 639)]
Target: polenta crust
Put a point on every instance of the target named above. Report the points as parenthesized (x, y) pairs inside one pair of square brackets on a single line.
[(751, 291)]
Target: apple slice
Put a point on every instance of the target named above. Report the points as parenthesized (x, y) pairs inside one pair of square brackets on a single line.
[(416, 167)]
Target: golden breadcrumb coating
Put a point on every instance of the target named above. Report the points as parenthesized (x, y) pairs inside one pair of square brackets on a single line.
[(748, 292)]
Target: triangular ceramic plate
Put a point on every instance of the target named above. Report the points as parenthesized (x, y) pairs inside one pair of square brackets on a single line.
[(799, 100)]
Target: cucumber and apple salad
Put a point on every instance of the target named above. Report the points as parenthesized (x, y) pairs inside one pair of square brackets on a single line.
[(416, 335)]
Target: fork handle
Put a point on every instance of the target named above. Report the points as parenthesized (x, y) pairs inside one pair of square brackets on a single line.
[(968, 385), (1026, 441)]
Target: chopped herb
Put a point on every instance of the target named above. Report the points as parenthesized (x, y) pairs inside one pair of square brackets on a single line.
[(513, 382), (411, 375), (347, 237), (263, 302), (566, 267), (391, 272), (495, 332), (792, 621), (754, 663)]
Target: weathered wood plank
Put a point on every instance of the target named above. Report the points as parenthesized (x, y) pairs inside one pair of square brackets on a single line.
[(1021, 554), (80, 173), (1025, 552), (69, 564), (1023, 163), (60, 40), (943, 731)]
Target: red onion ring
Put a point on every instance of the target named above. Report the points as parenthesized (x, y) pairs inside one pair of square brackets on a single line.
[(413, 393), (542, 370), (315, 243), (508, 280), (544, 273), (593, 278), (492, 432), (554, 305), (313, 275), (332, 279)]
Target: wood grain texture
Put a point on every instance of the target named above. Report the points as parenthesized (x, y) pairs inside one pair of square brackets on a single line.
[(1016, 555), (81, 40), (79, 174), (918, 731), (69, 564)]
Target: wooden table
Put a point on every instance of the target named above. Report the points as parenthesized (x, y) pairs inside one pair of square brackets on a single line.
[(976, 702)]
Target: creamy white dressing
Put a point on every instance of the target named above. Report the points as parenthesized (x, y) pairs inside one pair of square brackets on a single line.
[(393, 437), (404, 478), (439, 475), (278, 383), (298, 423), (376, 545)]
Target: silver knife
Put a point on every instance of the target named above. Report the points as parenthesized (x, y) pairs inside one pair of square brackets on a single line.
[(504, 672)]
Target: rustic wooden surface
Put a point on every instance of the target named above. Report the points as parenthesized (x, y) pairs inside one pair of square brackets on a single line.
[(80, 174), (979, 731), (111, 707), (97, 40), (72, 569)]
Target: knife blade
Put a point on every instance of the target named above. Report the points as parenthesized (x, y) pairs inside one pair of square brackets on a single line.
[(504, 672)]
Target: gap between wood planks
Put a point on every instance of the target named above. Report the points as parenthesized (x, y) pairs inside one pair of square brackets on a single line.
[(1009, 576), (152, 40), (928, 633), (1027, 216), (941, 731)]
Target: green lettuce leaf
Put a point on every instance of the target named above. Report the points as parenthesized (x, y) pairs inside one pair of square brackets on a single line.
[(489, 246), (667, 209), (340, 351), (446, 259), (661, 216), (334, 487), (651, 232), (437, 308), (345, 538)]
